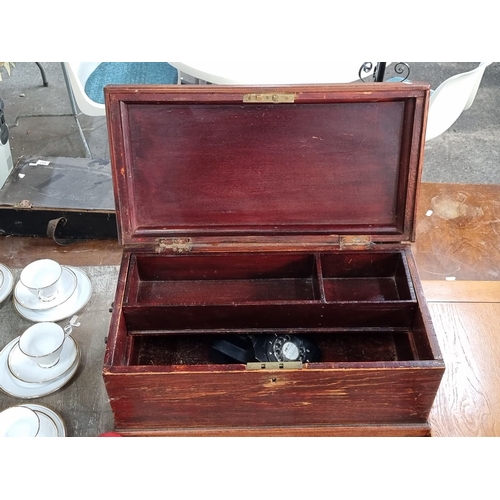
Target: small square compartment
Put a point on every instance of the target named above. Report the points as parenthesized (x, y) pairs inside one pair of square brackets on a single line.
[(222, 279), (366, 277)]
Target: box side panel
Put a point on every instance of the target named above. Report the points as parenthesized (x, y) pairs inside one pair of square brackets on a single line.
[(422, 326), (117, 341), (272, 398)]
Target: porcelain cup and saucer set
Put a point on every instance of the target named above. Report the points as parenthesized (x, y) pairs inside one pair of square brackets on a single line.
[(48, 291), (45, 357)]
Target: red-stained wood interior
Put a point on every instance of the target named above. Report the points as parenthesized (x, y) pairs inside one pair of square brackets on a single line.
[(333, 162)]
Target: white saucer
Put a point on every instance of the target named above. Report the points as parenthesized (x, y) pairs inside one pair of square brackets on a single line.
[(18, 421), (65, 288), (50, 419), (6, 282), (11, 385), (27, 370), (71, 306)]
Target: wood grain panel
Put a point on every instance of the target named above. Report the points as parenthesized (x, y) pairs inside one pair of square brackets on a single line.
[(403, 430), (187, 161), (156, 400), (468, 400)]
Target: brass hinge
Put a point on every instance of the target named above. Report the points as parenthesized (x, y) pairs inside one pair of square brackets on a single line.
[(175, 245), (271, 98), (356, 242), (275, 365)]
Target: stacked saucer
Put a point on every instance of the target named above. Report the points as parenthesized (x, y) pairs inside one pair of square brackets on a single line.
[(48, 291), (31, 421), (6, 283), (39, 362)]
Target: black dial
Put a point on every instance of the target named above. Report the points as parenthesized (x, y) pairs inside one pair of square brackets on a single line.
[(264, 348)]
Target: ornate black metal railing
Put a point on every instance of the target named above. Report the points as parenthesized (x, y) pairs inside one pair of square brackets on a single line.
[(378, 74)]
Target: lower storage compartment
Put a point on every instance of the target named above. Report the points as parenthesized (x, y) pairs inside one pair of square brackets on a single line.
[(358, 346), (379, 381)]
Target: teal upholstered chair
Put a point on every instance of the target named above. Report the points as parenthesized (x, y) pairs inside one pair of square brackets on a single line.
[(85, 82)]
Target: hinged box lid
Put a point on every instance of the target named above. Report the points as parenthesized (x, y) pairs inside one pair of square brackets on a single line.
[(235, 162)]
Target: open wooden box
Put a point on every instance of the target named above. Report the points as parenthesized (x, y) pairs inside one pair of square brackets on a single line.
[(269, 213)]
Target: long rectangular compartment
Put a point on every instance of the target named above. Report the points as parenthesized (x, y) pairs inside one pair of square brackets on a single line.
[(223, 279), (334, 346)]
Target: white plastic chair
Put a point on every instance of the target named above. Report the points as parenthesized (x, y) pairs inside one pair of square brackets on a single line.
[(78, 73), (275, 73), (451, 98)]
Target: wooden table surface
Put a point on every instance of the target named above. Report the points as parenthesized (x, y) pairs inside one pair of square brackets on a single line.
[(460, 236), (466, 319), (457, 250)]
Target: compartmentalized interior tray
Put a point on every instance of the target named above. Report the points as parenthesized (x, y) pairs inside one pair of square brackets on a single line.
[(358, 306), (272, 278)]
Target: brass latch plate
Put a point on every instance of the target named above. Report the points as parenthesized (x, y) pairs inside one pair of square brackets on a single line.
[(270, 98), (356, 242), (275, 365)]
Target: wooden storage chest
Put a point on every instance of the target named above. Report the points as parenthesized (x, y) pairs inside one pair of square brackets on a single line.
[(267, 285)]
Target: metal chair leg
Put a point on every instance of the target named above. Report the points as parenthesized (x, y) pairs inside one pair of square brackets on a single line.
[(75, 111), (44, 76)]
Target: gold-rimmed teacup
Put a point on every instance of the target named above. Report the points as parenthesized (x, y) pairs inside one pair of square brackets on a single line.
[(41, 278), (43, 343)]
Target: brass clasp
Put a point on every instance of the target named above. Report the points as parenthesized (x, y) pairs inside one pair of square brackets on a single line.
[(269, 98), (275, 365)]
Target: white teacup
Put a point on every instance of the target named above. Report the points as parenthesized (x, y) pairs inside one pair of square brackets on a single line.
[(43, 343), (41, 278), (19, 421)]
